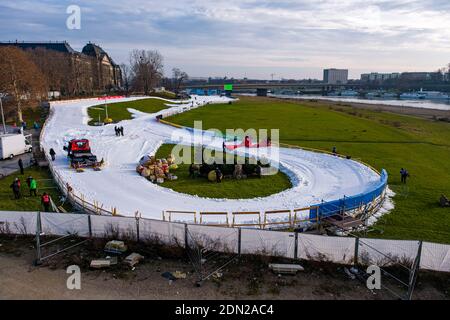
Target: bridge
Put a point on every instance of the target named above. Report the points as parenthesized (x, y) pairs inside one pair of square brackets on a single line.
[(262, 88)]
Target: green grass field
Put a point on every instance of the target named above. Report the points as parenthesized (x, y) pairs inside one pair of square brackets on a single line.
[(28, 203), (382, 139), (228, 188), (119, 111)]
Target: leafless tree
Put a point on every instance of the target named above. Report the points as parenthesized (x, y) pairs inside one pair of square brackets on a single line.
[(178, 77), (126, 77), (147, 69), (20, 78)]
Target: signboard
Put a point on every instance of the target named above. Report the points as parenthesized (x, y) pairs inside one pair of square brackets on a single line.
[(228, 87)]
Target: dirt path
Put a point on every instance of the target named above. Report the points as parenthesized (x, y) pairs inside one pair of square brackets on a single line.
[(248, 279)]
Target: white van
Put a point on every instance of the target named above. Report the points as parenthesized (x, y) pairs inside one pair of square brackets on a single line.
[(12, 145)]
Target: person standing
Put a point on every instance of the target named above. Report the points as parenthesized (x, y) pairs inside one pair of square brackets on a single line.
[(45, 199), (404, 175), (121, 131), (334, 150), (21, 166), (33, 186), (116, 130), (218, 175), (15, 186), (53, 154)]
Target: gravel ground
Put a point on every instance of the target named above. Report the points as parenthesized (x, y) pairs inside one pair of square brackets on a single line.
[(247, 279)]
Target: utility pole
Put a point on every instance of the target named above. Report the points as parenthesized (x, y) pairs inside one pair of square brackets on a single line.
[(3, 115), (106, 108)]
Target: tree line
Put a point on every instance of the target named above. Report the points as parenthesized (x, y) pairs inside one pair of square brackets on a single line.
[(27, 76), (145, 71)]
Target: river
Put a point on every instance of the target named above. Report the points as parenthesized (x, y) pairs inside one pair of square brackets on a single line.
[(426, 104)]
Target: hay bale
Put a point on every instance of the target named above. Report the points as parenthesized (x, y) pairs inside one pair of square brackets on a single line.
[(212, 176)]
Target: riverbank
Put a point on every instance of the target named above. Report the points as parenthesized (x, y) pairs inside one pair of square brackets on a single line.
[(428, 113)]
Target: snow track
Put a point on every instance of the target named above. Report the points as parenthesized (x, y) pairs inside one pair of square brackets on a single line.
[(315, 176)]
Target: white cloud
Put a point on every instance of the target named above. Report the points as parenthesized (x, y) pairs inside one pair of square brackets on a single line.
[(246, 34)]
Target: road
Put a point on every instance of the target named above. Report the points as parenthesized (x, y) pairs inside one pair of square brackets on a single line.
[(8, 167)]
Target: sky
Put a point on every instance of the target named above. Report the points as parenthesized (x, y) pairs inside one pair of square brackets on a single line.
[(291, 39)]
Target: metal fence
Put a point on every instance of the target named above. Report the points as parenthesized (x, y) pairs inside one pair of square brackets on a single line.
[(293, 245)]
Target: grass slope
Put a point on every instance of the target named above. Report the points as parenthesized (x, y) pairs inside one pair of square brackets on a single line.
[(27, 203), (119, 111), (229, 188), (384, 140)]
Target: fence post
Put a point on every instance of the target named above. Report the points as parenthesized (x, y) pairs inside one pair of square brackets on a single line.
[(355, 258), (38, 239), (90, 225), (186, 243), (296, 246), (137, 227), (239, 242), (414, 272)]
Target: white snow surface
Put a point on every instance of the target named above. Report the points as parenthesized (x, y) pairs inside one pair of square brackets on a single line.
[(315, 176)]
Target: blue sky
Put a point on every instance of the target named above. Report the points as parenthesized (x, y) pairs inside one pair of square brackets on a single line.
[(249, 38)]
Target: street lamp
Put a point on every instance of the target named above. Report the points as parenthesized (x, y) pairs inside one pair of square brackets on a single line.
[(3, 115), (106, 108)]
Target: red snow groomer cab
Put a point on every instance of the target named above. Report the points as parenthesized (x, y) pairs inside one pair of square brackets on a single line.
[(79, 152)]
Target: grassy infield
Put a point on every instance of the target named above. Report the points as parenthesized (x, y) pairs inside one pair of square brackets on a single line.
[(382, 139)]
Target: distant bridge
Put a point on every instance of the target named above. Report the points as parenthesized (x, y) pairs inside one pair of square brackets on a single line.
[(262, 88)]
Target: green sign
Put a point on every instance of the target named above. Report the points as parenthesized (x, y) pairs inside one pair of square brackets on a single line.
[(228, 87)]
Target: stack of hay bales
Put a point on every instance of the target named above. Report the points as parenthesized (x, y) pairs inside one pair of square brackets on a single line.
[(157, 170)]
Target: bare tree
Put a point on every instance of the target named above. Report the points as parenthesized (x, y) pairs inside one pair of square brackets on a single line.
[(126, 77), (147, 69), (20, 77), (178, 77)]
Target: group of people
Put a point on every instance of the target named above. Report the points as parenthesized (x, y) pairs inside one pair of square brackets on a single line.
[(32, 186), (119, 131), (16, 187)]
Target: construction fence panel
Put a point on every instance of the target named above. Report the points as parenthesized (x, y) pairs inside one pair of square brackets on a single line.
[(170, 233), (435, 257), (382, 252), (12, 222), (114, 227), (215, 238), (62, 224), (322, 248), (270, 243)]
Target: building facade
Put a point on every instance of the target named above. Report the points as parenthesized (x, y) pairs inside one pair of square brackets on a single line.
[(379, 77), (422, 76), (109, 75), (92, 68), (335, 76)]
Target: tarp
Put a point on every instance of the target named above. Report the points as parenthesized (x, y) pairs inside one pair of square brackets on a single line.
[(18, 222), (273, 243), (270, 243), (435, 257), (383, 252), (63, 224), (323, 248), (114, 227), (167, 232), (215, 238)]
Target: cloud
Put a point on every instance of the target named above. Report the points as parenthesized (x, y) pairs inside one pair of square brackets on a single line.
[(234, 37)]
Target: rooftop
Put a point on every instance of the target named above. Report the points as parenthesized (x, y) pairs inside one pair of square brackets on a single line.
[(60, 46)]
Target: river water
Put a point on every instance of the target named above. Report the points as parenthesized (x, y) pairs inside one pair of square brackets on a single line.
[(427, 104)]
